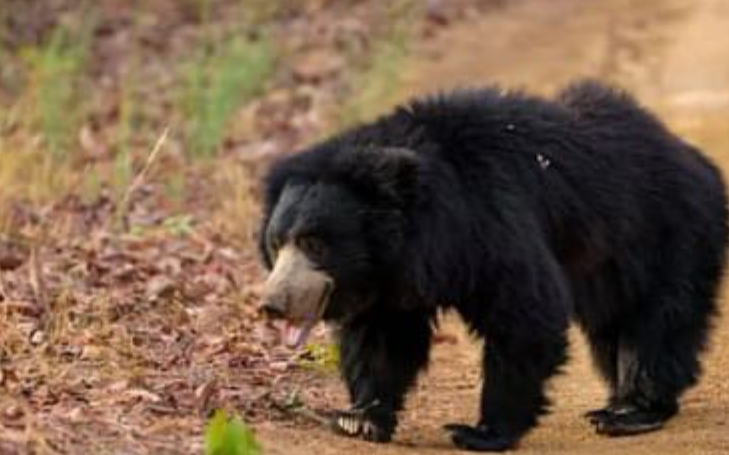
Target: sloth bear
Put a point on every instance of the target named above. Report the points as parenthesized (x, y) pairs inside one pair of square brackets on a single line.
[(519, 213)]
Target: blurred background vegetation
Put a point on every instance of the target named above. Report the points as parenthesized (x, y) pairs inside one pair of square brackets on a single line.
[(87, 87)]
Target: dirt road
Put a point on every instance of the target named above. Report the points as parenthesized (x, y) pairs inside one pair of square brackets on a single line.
[(673, 54)]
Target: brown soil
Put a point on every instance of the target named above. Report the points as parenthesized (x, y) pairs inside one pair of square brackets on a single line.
[(674, 55)]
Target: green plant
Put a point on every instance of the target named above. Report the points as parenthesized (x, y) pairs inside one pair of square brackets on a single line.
[(30, 175), (321, 356), (378, 84), (176, 188), (123, 163), (55, 70), (228, 435), (217, 82), (179, 225)]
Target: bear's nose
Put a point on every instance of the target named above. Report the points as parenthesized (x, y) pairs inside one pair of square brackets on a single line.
[(274, 308)]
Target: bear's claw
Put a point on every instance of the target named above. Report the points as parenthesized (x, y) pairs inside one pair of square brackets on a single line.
[(598, 415), (356, 423)]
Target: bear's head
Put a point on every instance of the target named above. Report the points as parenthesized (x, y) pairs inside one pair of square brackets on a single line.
[(332, 237)]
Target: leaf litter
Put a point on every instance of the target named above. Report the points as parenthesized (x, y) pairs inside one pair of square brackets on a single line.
[(127, 337)]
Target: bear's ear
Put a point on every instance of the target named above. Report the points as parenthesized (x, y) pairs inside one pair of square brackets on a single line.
[(391, 172)]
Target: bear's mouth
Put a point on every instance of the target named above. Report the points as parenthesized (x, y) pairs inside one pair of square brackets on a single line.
[(296, 332)]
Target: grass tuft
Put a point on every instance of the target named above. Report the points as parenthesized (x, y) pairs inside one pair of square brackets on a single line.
[(28, 175), (123, 207), (217, 83), (378, 84), (54, 74), (237, 205)]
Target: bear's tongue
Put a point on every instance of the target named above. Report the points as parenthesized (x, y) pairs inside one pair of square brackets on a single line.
[(295, 335)]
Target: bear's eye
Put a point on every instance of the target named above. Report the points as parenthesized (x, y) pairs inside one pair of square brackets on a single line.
[(313, 246), (274, 244)]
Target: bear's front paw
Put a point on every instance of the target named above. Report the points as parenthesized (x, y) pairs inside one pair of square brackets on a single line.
[(479, 439), (369, 423)]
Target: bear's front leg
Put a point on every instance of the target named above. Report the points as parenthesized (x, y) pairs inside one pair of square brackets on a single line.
[(525, 330), (381, 355), (513, 392)]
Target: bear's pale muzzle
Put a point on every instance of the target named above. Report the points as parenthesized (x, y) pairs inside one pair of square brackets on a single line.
[(296, 292)]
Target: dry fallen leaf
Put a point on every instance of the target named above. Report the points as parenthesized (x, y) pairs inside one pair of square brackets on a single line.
[(317, 64), (10, 261), (143, 394), (160, 286)]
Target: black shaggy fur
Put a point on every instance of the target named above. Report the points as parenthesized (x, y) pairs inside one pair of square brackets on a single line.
[(520, 213)]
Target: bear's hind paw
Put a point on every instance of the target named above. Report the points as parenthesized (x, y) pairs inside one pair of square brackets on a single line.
[(629, 421)]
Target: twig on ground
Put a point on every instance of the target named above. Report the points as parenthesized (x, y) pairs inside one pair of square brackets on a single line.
[(122, 214), (37, 283), (301, 411), (3, 288)]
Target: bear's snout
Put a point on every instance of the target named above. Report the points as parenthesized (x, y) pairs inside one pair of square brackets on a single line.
[(295, 290)]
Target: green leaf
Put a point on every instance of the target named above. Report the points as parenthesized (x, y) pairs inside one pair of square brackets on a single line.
[(227, 435), (324, 357)]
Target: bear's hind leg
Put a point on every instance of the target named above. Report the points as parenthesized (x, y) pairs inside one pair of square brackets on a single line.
[(604, 350), (646, 398), (657, 362), (598, 297), (660, 344)]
